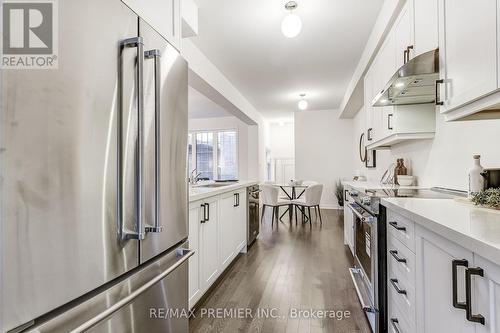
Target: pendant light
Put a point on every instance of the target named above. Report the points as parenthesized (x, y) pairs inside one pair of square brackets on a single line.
[(291, 24)]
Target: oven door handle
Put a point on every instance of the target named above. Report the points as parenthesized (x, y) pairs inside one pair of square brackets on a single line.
[(364, 305), (366, 219)]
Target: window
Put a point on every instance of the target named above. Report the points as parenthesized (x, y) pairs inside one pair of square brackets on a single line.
[(214, 153)]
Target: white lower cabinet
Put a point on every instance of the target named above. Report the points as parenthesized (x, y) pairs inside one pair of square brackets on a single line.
[(217, 233), (435, 286), (428, 289), (209, 244), (195, 216), (486, 300)]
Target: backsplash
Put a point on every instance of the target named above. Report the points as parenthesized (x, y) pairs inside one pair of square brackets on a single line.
[(444, 161)]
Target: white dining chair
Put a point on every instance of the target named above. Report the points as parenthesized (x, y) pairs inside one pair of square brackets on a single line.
[(270, 198), (311, 199)]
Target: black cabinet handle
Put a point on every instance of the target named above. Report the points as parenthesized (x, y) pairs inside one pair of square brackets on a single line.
[(395, 324), (369, 134), (408, 49), (204, 219), (478, 318), (438, 82), (394, 253), (208, 212), (389, 122), (454, 265), (238, 199), (395, 225), (395, 284), (235, 204)]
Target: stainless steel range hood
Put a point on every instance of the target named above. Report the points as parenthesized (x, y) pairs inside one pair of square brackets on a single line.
[(413, 83)]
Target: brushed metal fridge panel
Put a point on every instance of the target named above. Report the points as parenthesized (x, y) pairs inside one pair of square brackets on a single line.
[(170, 211), (58, 155), (154, 307)]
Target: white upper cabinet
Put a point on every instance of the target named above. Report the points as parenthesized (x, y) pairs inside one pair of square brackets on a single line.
[(162, 15), (425, 16), (468, 53), (393, 124), (403, 36)]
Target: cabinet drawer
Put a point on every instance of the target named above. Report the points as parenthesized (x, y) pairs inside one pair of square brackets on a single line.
[(401, 228), (401, 259), (397, 323), (405, 302)]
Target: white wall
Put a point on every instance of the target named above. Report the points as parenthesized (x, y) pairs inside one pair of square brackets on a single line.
[(245, 169), (444, 161), (323, 150), (281, 140)]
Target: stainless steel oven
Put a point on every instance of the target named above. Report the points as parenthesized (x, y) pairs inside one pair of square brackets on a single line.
[(365, 271)]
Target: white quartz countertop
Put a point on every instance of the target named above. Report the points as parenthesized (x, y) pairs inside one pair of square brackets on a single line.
[(367, 185), (198, 192), (475, 228)]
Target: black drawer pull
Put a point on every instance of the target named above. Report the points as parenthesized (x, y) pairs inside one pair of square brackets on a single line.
[(395, 225), (454, 265), (394, 283), (394, 253), (204, 219), (478, 318), (395, 324)]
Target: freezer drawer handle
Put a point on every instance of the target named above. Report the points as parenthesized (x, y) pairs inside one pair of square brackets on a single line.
[(130, 298), (125, 234), (156, 55)]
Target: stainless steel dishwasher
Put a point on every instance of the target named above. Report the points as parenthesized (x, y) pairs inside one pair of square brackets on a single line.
[(252, 213)]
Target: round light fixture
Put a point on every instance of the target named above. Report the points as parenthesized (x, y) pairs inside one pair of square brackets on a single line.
[(291, 24), (302, 103)]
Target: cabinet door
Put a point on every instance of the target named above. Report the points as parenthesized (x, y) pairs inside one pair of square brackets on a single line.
[(209, 248), (162, 15), (368, 96), (487, 295), (195, 215), (241, 237), (434, 285), (403, 35), (425, 13), (467, 50), (228, 227)]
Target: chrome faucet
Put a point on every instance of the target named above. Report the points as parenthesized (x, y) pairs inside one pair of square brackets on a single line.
[(193, 178)]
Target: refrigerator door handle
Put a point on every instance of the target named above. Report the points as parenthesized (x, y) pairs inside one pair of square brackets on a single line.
[(156, 55), (185, 254), (125, 234)]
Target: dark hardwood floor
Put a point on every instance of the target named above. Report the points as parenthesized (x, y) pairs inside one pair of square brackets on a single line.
[(288, 268)]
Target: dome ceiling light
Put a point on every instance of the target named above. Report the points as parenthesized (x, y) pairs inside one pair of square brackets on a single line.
[(291, 24), (303, 104)]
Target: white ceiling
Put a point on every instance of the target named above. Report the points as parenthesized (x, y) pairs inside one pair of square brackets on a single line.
[(202, 107), (243, 39)]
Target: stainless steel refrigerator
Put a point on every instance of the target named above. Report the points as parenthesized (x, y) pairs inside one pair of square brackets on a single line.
[(93, 180)]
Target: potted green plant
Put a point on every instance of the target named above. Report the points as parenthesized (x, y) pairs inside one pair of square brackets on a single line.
[(339, 192)]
